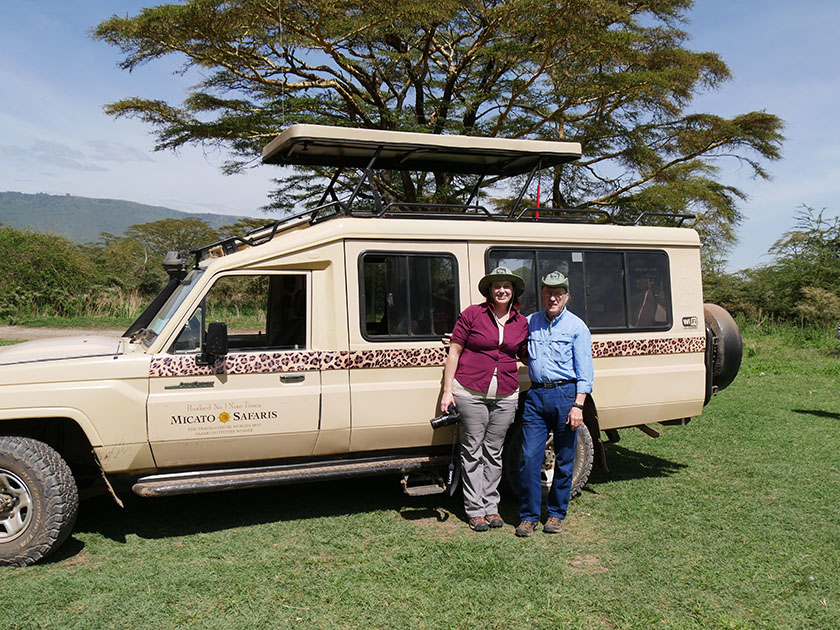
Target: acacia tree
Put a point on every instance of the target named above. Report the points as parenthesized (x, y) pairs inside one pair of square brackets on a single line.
[(614, 75), (802, 283), (159, 237)]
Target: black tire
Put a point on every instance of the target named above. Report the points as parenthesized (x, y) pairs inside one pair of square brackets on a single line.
[(725, 359), (584, 456), (38, 500)]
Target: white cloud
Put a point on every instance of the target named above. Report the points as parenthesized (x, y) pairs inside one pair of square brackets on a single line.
[(54, 154), (113, 151)]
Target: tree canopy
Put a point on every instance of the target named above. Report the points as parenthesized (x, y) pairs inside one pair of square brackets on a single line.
[(801, 283), (614, 75)]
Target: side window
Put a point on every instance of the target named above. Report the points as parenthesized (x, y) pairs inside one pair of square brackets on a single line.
[(412, 296), (610, 290), (570, 264), (605, 290), (522, 263), (649, 304), (262, 312), (533, 265)]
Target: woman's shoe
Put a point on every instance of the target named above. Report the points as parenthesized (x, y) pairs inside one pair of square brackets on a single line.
[(494, 521)]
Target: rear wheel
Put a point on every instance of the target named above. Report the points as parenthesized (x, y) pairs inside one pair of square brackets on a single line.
[(38, 500), (584, 456)]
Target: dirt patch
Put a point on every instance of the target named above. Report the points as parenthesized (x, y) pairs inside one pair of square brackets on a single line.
[(588, 564)]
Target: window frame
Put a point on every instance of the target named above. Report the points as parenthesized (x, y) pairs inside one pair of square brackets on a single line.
[(199, 302), (405, 254), (534, 254)]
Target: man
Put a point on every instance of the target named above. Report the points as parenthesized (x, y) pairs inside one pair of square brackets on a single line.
[(560, 368)]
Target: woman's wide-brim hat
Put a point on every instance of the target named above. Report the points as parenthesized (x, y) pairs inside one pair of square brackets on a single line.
[(501, 274)]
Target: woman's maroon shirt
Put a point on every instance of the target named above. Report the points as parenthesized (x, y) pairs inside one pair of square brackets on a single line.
[(476, 330)]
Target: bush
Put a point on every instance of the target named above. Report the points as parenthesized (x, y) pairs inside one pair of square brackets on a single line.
[(819, 307), (42, 273)]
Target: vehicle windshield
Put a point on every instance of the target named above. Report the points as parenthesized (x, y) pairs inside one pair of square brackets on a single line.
[(171, 305)]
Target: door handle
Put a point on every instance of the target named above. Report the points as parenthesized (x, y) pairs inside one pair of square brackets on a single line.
[(297, 378), (190, 385)]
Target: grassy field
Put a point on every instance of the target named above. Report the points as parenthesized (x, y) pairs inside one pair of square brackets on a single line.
[(52, 321), (730, 522), (234, 319)]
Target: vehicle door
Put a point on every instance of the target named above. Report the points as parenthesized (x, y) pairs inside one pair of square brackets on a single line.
[(259, 402), (403, 297)]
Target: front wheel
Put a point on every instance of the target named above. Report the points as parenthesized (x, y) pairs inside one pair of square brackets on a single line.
[(584, 456), (38, 500)]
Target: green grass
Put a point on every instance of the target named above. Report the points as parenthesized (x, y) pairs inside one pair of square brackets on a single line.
[(234, 319), (88, 321), (729, 522)]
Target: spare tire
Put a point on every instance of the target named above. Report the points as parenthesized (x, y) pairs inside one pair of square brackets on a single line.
[(724, 357)]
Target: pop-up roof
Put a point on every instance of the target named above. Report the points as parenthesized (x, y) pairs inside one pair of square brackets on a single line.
[(321, 145)]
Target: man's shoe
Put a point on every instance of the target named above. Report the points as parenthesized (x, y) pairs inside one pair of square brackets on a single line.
[(553, 525), (478, 524), (527, 528), (495, 521)]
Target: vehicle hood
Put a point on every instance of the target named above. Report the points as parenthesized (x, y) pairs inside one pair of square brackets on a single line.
[(61, 348)]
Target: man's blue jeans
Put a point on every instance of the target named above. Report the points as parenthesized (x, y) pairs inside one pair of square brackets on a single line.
[(546, 410)]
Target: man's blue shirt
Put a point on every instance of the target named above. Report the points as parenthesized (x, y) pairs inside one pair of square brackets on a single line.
[(560, 349)]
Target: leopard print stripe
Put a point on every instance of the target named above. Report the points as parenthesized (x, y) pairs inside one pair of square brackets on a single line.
[(310, 360), (641, 347)]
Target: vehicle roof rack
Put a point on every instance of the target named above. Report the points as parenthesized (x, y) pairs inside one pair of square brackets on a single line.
[(373, 149), (322, 145), (254, 237)]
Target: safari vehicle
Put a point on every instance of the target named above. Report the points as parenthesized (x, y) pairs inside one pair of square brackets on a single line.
[(338, 370)]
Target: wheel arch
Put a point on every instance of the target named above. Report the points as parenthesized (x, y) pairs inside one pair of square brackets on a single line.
[(510, 473), (590, 420), (68, 431)]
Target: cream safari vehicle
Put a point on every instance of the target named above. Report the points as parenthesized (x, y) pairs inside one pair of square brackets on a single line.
[(340, 370)]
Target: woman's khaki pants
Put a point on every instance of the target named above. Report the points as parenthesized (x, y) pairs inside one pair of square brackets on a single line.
[(484, 424)]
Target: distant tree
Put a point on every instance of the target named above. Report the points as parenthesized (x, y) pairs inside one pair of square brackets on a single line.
[(126, 263), (241, 227), (159, 237), (801, 284), (614, 75), (811, 250)]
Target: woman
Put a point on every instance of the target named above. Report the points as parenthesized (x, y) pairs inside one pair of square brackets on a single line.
[(481, 379)]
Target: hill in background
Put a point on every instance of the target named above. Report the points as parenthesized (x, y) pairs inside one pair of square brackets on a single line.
[(82, 219)]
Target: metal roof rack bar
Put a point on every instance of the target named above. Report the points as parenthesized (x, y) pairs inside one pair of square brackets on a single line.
[(537, 168), (232, 243), (463, 209), (664, 215), (567, 215)]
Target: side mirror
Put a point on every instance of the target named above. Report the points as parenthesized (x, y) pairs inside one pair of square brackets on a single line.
[(215, 344)]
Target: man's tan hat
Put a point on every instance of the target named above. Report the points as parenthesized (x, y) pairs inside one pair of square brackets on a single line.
[(555, 280)]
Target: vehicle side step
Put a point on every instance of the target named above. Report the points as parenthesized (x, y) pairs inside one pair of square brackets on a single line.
[(232, 478), (423, 484)]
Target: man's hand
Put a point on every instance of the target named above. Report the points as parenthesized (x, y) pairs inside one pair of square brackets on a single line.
[(575, 418)]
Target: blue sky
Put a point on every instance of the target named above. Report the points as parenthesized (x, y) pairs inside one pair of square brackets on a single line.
[(54, 137)]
